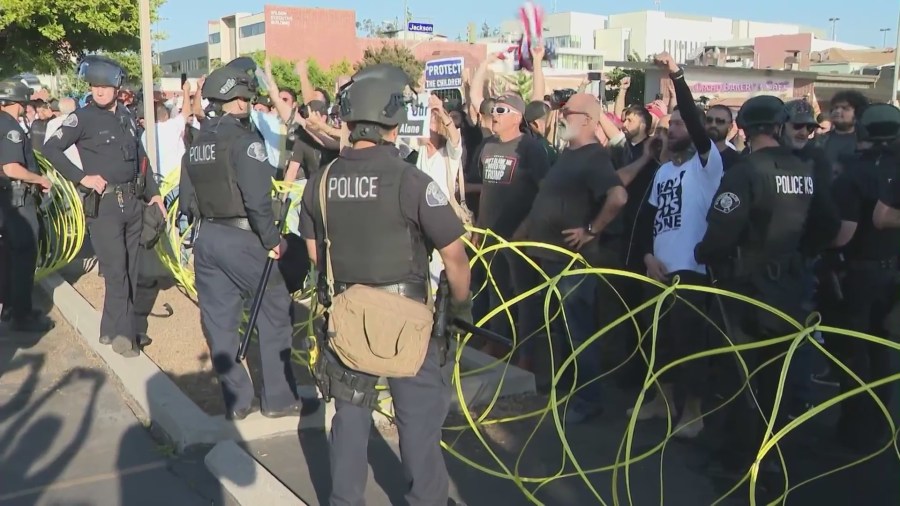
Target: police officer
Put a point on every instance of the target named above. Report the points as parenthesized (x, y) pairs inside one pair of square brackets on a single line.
[(767, 211), (870, 275), (117, 175), (227, 167), (384, 216), (18, 191)]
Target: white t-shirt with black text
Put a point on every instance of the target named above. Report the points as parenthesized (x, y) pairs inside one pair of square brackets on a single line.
[(682, 196)]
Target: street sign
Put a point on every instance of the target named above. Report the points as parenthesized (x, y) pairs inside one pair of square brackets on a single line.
[(417, 122), (420, 27), (444, 74)]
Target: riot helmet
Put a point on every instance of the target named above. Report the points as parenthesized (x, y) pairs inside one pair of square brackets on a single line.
[(101, 71), (229, 83), (14, 91), (377, 94), (762, 110), (880, 123)]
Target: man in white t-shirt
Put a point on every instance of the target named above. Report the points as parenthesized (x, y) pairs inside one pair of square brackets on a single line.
[(169, 138), (682, 193), (66, 107)]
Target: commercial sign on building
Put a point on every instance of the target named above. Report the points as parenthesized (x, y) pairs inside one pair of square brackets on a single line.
[(282, 18), (444, 74), (418, 121), (742, 88)]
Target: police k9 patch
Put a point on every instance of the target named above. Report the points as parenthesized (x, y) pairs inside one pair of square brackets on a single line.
[(727, 202), (70, 121), (434, 196), (14, 136), (257, 151)]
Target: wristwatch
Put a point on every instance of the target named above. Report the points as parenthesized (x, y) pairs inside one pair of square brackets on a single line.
[(590, 229)]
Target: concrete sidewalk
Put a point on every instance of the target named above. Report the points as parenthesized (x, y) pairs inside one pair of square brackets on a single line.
[(68, 437)]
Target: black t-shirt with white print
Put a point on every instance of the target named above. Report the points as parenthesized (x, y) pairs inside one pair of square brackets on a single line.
[(510, 173)]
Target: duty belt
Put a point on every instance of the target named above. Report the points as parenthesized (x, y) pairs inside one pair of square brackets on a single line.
[(241, 223), (886, 264), (125, 188), (415, 291)]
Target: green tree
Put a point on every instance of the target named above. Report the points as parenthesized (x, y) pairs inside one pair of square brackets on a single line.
[(635, 90), (282, 70), (131, 62), (393, 54), (286, 77), (46, 35)]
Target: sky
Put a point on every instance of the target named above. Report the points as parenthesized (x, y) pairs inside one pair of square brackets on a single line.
[(184, 21)]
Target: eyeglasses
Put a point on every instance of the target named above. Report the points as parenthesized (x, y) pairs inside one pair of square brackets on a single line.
[(502, 109), (717, 121), (808, 128)]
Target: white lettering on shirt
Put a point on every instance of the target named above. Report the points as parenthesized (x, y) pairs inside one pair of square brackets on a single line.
[(353, 188), (794, 185), (204, 153), (499, 169)]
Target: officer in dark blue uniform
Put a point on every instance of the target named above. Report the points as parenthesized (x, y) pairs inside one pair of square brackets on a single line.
[(232, 183), (18, 190), (119, 185), (384, 217), (768, 213), (869, 277)]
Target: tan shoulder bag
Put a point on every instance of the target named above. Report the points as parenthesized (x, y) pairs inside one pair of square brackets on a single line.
[(462, 210), (372, 330)]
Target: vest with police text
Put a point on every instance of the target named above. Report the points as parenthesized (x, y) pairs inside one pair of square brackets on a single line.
[(784, 186), (211, 170), (372, 243)]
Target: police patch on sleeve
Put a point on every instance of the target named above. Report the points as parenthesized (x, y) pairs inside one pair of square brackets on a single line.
[(70, 121), (434, 196), (14, 136), (727, 202), (257, 151), (58, 134)]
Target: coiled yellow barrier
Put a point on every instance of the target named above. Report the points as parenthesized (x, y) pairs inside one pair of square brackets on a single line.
[(62, 217), (556, 407)]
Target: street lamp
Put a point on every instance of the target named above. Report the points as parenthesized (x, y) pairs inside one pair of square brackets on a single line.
[(833, 22), (884, 32)]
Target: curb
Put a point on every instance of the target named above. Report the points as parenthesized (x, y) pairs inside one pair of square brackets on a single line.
[(245, 479)]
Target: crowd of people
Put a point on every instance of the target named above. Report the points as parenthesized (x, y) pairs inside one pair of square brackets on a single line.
[(777, 201)]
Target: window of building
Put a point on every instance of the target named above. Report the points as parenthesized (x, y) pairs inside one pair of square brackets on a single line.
[(254, 29), (565, 42), (215, 38), (577, 62)]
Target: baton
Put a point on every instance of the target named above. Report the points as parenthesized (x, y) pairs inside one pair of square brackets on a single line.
[(260, 291), (478, 331)]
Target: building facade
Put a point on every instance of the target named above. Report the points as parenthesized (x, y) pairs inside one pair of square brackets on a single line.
[(645, 33), (328, 36), (192, 60)]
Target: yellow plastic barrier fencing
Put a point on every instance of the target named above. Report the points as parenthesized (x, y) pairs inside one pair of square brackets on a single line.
[(62, 219), (555, 410)]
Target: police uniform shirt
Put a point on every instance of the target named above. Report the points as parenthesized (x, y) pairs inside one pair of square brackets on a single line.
[(748, 192), (107, 142), (856, 191), (14, 144), (424, 206), (510, 174)]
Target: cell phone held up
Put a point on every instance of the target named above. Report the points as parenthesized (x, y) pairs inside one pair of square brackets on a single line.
[(183, 79), (91, 204)]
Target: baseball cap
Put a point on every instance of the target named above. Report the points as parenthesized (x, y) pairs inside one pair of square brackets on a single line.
[(513, 101)]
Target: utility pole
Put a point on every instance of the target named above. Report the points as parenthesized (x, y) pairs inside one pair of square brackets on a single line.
[(147, 83), (884, 32), (833, 22), (896, 65)]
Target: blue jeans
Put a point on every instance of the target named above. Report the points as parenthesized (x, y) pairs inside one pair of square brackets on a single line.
[(798, 383), (578, 294)]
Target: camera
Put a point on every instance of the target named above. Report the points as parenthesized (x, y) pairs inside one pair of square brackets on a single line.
[(559, 98)]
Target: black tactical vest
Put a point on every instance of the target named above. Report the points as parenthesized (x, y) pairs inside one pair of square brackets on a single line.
[(372, 243), (784, 185), (211, 170), (874, 170), (38, 133)]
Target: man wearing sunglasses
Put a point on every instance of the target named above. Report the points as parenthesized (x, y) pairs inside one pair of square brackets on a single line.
[(510, 166), (719, 120)]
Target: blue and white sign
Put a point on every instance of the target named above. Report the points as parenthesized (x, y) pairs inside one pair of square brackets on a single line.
[(444, 74), (420, 27)]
